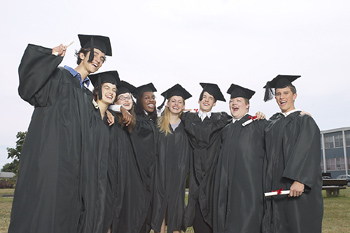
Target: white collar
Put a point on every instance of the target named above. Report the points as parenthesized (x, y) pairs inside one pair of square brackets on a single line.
[(290, 112), (234, 120), (202, 115)]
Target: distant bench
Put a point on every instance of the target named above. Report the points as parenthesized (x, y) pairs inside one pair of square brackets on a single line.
[(332, 186)]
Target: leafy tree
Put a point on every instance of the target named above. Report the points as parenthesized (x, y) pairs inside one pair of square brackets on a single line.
[(9, 167), (15, 153)]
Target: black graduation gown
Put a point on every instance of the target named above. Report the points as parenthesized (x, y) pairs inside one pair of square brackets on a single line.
[(238, 192), (126, 195), (172, 167), (293, 154), (205, 140), (50, 193), (144, 139)]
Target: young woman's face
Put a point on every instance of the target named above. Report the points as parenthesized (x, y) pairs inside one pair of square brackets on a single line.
[(109, 92), (148, 100), (176, 104), (125, 100)]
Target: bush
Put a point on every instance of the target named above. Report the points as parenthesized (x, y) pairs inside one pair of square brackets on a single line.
[(7, 183)]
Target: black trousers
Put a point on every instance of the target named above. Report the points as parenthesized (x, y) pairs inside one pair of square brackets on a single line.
[(199, 225)]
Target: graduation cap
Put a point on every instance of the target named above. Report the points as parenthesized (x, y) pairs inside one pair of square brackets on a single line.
[(145, 88), (125, 87), (104, 77), (176, 90), (212, 89), (238, 91), (93, 41), (280, 81)]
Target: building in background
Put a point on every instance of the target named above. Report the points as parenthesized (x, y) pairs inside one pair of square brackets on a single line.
[(335, 145)]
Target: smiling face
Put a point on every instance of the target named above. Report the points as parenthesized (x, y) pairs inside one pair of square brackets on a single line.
[(207, 102), (92, 67), (238, 107), (176, 104), (109, 92), (285, 99), (148, 100), (125, 100)]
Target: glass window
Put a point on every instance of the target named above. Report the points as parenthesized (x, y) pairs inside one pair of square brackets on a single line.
[(338, 140), (328, 141), (330, 163), (347, 138), (340, 164)]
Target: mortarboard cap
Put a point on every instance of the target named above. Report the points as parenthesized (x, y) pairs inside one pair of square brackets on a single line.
[(280, 81), (238, 91), (213, 90), (176, 90), (104, 77), (126, 87), (94, 41), (145, 88)]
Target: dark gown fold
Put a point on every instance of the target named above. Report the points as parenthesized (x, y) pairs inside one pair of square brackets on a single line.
[(126, 195), (144, 143), (205, 140), (238, 191), (293, 153), (172, 167), (50, 193)]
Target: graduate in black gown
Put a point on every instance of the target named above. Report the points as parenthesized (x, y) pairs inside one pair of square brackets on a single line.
[(51, 191), (172, 165), (238, 192), (125, 191), (204, 129), (144, 139), (293, 163)]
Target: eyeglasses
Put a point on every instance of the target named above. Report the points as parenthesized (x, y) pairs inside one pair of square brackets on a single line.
[(124, 98)]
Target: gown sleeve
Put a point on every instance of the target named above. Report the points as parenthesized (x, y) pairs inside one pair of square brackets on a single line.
[(35, 74)]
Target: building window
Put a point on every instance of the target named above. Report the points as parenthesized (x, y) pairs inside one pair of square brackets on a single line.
[(338, 140), (347, 138), (330, 164), (328, 141), (340, 163)]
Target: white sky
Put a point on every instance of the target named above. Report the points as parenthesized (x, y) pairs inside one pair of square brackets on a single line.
[(246, 42)]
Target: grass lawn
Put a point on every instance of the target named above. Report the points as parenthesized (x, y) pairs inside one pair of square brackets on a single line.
[(336, 217)]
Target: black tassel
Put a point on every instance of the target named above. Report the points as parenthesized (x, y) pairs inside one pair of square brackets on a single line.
[(92, 53), (269, 93), (99, 87)]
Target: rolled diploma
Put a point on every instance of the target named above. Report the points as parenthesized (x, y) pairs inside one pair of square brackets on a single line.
[(67, 45), (283, 192), (247, 122)]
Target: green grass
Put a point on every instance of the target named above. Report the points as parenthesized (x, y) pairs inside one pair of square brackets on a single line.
[(336, 216)]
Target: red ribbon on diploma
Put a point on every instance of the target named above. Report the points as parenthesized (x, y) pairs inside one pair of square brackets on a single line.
[(278, 191), (253, 118)]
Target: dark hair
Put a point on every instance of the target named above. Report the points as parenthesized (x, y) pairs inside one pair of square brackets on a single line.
[(201, 96), (140, 111), (95, 92), (82, 50)]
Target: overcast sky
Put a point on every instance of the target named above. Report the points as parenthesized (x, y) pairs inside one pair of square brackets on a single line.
[(246, 42)]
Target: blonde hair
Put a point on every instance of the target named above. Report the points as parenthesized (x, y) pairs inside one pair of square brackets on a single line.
[(164, 121)]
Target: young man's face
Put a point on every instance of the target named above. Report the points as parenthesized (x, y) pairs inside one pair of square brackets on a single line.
[(92, 67), (207, 102), (176, 104), (238, 107), (148, 101), (109, 92), (285, 99)]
